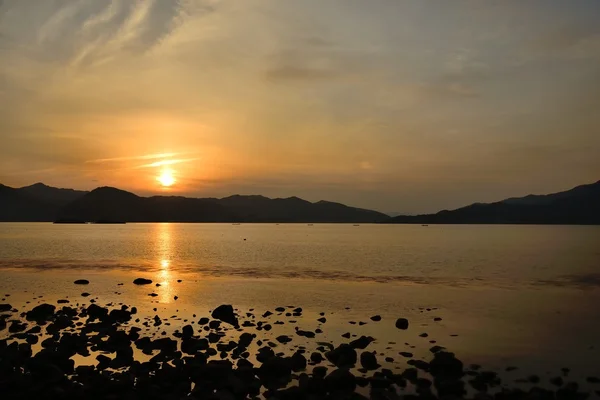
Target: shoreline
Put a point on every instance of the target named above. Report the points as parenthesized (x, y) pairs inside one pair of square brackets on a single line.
[(342, 325), (281, 348)]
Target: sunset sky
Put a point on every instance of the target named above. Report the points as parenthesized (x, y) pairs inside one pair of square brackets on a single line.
[(407, 106)]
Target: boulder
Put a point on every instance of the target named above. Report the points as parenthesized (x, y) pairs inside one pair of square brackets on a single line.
[(402, 323), (142, 281), (41, 313), (226, 314)]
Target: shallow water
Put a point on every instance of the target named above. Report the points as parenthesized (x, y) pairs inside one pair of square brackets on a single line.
[(513, 295)]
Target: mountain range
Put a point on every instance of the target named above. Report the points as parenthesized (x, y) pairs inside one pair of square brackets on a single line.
[(39, 202), (578, 206), (44, 203)]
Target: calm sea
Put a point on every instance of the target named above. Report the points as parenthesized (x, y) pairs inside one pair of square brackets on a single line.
[(505, 256), (507, 295)]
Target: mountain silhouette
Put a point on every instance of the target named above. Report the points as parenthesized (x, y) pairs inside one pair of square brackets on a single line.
[(34, 203), (106, 204), (578, 206)]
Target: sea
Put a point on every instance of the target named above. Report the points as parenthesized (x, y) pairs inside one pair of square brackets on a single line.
[(496, 295)]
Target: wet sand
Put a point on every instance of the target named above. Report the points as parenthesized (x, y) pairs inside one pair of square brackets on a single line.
[(146, 368)]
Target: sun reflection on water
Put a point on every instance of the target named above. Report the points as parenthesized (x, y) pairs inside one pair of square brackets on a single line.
[(165, 255)]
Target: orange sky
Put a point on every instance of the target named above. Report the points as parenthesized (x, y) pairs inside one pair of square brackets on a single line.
[(397, 106)]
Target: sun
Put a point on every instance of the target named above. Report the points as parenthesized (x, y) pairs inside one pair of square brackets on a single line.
[(166, 178)]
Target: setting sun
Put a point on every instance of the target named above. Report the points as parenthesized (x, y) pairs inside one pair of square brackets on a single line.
[(166, 178)]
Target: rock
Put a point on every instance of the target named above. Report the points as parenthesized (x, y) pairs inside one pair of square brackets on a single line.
[(62, 301), (187, 331), (436, 349), (283, 339), (142, 281), (298, 362), (81, 282), (203, 321), (362, 342), (5, 307), (41, 313), (346, 335), (402, 323), (342, 356), (406, 354), (424, 335), (376, 318), (316, 357), (593, 379), (226, 314), (369, 361), (340, 380), (437, 319), (85, 294), (445, 364), (322, 320)]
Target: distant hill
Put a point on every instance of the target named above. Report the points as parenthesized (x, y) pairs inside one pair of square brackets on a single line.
[(43, 203), (578, 206), (49, 194)]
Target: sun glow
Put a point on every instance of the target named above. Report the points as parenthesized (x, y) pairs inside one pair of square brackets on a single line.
[(166, 178)]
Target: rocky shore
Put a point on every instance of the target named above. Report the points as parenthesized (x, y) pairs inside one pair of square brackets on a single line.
[(83, 350)]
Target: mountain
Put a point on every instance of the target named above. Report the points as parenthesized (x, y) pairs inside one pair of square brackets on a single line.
[(34, 203), (578, 206), (49, 194), (43, 203)]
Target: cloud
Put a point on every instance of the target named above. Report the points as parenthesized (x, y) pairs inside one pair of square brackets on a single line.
[(129, 158), (167, 162)]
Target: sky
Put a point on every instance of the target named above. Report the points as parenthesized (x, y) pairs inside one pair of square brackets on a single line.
[(398, 106)]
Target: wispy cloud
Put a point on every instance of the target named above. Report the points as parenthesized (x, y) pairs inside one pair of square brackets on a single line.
[(167, 162), (133, 158)]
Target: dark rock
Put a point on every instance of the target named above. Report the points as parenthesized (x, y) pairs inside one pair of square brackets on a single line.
[(322, 320), (226, 314), (437, 319), (406, 354), (142, 281), (369, 361), (436, 349), (41, 313), (82, 282), (203, 321), (283, 339), (187, 331), (346, 335), (85, 294), (298, 362), (593, 379), (402, 323), (275, 372), (5, 307), (342, 356), (62, 301), (376, 318), (316, 357), (445, 364), (362, 342), (340, 380)]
